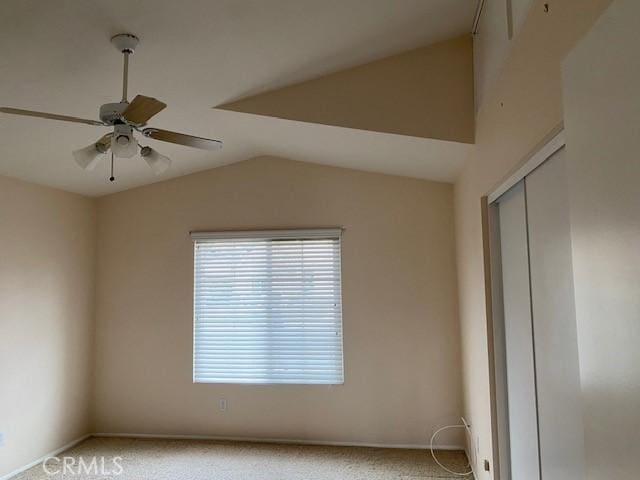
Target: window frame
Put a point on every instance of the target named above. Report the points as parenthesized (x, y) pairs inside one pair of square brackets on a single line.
[(291, 234)]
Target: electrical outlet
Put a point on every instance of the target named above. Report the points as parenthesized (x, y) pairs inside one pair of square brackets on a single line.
[(487, 466), (222, 404)]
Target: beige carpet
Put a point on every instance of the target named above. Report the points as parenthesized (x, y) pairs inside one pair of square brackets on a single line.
[(209, 460)]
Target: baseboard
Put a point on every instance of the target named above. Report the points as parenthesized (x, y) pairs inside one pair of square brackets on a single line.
[(277, 440), (44, 457)]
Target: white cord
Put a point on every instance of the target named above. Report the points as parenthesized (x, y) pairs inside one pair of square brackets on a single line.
[(466, 426)]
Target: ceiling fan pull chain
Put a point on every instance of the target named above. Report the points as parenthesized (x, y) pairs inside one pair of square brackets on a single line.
[(112, 178)]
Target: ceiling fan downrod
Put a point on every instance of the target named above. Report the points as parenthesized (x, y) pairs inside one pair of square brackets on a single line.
[(125, 43)]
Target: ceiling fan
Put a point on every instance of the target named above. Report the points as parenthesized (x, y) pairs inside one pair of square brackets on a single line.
[(125, 118)]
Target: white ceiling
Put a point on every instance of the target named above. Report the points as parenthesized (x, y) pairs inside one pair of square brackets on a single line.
[(194, 54)]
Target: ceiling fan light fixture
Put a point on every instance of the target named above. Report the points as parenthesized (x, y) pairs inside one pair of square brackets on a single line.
[(158, 162), (88, 157), (123, 143)]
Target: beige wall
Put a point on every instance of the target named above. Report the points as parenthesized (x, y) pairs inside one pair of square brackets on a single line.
[(500, 24), (426, 92), (47, 240), (519, 109), (602, 114), (491, 46), (400, 325)]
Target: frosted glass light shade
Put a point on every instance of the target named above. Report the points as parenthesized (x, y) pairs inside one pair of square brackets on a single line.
[(158, 162), (124, 146), (88, 157)]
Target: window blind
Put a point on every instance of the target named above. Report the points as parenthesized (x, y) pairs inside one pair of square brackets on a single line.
[(267, 307)]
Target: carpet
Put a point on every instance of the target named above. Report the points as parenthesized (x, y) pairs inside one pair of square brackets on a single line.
[(143, 459)]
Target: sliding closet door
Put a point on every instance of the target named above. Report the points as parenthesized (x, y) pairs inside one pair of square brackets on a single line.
[(555, 337), (518, 334)]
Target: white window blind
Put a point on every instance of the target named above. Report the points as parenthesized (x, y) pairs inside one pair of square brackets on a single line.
[(267, 307)]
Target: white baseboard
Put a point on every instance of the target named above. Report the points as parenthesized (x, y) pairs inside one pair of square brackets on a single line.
[(44, 457), (277, 440)]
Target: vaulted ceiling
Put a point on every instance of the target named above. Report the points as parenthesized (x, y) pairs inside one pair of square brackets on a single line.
[(198, 54)]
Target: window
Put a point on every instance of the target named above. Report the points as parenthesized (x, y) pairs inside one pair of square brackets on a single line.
[(267, 307)]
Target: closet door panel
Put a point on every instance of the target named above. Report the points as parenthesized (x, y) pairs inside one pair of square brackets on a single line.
[(553, 307), (521, 395)]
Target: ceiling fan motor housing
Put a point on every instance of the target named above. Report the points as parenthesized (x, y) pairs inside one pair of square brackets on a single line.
[(111, 113)]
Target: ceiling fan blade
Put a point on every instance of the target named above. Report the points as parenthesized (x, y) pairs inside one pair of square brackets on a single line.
[(50, 116), (182, 139), (142, 108)]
